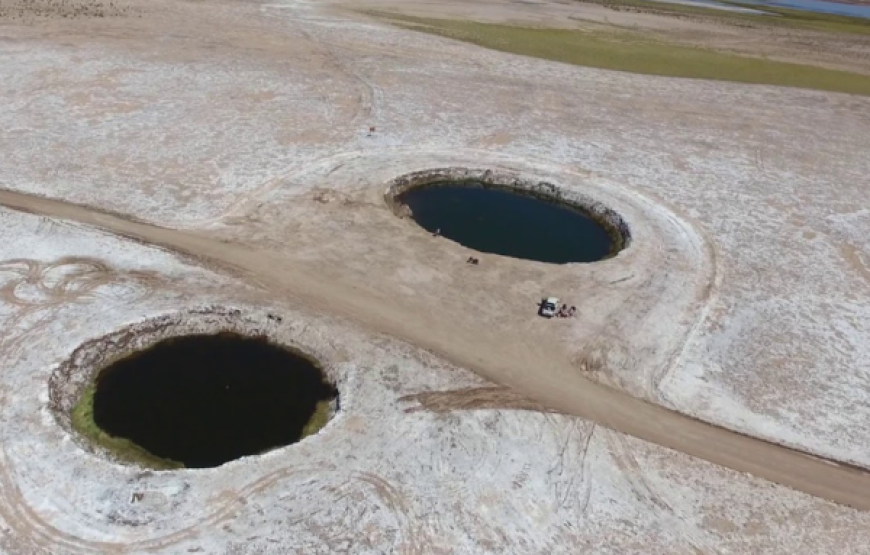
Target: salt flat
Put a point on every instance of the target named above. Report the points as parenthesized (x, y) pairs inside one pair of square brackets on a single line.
[(241, 129)]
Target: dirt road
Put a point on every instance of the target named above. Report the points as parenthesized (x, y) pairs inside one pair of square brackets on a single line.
[(509, 360)]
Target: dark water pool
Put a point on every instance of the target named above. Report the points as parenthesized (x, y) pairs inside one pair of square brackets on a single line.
[(510, 224), (204, 400)]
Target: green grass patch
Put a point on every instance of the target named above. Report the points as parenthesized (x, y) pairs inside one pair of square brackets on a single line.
[(632, 52), (318, 420), (82, 418)]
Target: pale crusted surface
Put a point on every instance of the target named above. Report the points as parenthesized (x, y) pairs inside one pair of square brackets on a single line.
[(749, 204), (774, 176), (386, 475)]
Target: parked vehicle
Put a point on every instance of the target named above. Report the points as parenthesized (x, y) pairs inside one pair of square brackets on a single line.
[(549, 306)]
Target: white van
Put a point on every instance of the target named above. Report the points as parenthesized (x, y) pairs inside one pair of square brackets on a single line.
[(549, 306)]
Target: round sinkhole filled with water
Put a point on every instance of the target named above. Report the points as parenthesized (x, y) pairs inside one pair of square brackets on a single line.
[(200, 401), (498, 221)]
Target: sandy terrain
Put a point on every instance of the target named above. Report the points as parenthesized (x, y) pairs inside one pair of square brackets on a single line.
[(233, 135)]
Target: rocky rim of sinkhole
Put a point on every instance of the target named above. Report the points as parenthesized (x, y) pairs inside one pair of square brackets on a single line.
[(74, 383), (613, 223)]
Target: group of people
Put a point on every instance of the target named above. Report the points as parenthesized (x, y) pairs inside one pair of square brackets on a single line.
[(565, 312)]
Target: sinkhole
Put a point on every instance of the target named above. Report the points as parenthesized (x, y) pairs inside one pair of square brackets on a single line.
[(200, 401), (509, 222)]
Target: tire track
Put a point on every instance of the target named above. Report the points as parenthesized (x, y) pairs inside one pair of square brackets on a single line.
[(506, 360), (634, 474)]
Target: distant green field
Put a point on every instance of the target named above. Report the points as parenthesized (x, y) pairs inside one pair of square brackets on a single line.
[(629, 51)]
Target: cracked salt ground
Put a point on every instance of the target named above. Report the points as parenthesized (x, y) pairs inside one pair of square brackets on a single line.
[(204, 130)]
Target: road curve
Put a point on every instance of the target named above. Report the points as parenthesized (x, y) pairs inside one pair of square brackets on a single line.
[(547, 379)]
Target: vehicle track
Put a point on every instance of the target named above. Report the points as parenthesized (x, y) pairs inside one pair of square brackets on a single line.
[(548, 378)]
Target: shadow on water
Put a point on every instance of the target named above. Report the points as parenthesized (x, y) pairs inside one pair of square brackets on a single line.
[(204, 400), (501, 222)]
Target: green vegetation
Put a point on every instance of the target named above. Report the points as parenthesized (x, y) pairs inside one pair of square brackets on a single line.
[(83, 422), (318, 420), (624, 50)]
